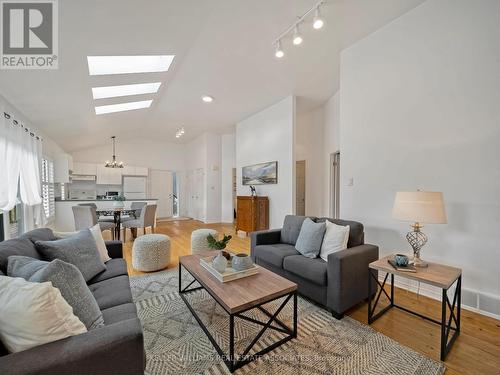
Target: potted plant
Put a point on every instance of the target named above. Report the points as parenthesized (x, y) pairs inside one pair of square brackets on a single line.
[(220, 261), (118, 203)]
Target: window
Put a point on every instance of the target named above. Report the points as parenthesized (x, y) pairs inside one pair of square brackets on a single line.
[(48, 191)]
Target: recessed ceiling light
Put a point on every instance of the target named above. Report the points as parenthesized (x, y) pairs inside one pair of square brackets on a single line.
[(100, 65), (207, 98), (125, 90), (100, 110)]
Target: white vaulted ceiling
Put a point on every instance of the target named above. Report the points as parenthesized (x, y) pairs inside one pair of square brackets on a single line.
[(222, 48)]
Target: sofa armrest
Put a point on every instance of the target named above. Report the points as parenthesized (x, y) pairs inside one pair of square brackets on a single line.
[(115, 249), (114, 349), (348, 276), (264, 237)]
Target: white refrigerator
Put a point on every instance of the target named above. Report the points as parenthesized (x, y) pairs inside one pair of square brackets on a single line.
[(135, 187)]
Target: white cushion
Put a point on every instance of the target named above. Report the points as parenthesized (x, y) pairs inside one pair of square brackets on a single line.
[(101, 246), (99, 240), (33, 314), (335, 239)]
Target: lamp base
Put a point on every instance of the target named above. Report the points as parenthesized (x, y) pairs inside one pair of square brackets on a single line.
[(417, 262), (417, 240)]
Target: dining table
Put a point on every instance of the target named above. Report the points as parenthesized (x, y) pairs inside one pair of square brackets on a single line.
[(117, 213)]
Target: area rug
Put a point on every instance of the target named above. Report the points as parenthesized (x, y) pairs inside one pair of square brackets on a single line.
[(175, 343)]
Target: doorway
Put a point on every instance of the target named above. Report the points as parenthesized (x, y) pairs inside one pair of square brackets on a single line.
[(162, 188), (335, 185), (300, 188)]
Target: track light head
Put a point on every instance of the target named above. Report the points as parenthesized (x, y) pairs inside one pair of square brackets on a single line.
[(318, 22), (297, 37), (279, 53)]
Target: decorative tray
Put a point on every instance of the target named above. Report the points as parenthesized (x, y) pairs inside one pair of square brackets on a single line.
[(229, 274)]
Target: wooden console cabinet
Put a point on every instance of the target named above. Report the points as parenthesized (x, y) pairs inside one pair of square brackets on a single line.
[(252, 213)]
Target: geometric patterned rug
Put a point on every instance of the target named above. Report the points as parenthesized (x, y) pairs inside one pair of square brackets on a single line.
[(175, 343)]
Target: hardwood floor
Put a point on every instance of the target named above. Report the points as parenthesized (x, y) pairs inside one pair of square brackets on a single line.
[(476, 351)]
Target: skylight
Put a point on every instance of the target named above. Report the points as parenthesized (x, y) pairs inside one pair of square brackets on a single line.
[(125, 90), (101, 65), (100, 110)]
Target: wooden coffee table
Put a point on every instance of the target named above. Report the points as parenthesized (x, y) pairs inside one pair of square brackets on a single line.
[(435, 274), (237, 297)]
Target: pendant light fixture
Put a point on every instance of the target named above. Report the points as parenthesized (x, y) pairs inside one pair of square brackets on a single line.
[(113, 163)]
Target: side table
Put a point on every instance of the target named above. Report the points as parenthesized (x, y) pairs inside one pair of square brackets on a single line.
[(437, 275)]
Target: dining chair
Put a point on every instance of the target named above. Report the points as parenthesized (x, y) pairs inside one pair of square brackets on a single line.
[(146, 219), (136, 208), (86, 217), (104, 219)]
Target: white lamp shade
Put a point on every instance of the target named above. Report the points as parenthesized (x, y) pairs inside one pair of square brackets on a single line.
[(420, 207)]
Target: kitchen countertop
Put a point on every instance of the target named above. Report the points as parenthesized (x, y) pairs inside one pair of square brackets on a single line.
[(102, 200)]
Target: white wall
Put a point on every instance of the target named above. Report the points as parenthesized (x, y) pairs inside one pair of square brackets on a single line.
[(309, 147), (331, 144), (213, 178), (420, 108), (137, 152), (227, 164), (269, 136)]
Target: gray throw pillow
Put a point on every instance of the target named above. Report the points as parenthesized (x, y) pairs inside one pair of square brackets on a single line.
[(79, 250), (310, 238), (65, 277)]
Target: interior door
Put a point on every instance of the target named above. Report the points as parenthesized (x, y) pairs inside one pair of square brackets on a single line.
[(162, 189)]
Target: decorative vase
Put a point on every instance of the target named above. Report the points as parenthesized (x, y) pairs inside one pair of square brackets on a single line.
[(401, 260), (118, 204), (220, 262), (241, 262)]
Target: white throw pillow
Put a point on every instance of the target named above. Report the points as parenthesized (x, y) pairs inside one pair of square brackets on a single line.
[(99, 240), (335, 239), (33, 314), (101, 246)]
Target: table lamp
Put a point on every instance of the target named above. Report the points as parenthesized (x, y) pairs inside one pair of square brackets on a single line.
[(419, 207)]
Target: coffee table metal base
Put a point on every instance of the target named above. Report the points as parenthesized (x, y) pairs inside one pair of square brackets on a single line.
[(235, 361)]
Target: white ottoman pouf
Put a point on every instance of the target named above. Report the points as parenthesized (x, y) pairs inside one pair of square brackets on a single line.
[(151, 252), (199, 240)]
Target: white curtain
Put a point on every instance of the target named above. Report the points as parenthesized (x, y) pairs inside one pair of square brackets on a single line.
[(11, 141), (30, 184), (20, 158)]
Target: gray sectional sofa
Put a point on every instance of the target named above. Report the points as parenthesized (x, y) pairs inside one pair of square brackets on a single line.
[(116, 348), (338, 284)]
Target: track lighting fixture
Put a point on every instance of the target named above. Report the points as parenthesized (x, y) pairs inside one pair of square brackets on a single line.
[(318, 22), (297, 39), (180, 132), (279, 51)]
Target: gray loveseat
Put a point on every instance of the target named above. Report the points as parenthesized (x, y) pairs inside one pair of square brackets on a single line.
[(338, 284), (116, 348)]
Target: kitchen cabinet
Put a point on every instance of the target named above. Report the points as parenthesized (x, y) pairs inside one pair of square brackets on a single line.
[(85, 168), (109, 176), (141, 171), (134, 171), (63, 166)]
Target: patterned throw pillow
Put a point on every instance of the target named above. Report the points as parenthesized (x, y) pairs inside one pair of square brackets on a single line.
[(79, 250)]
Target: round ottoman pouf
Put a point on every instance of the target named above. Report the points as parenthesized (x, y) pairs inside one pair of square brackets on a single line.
[(151, 252), (199, 240)]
